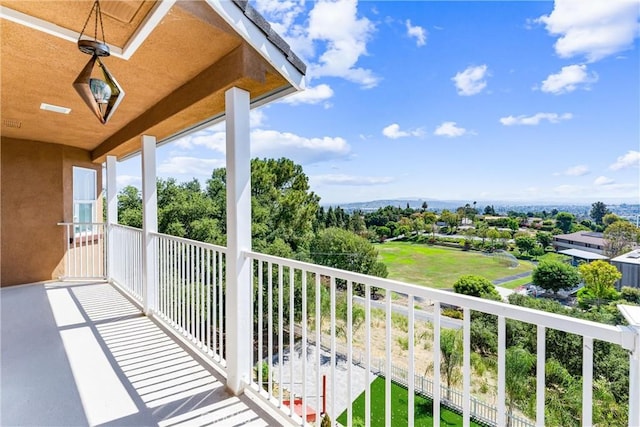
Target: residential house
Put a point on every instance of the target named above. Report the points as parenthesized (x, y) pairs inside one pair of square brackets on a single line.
[(629, 265), (587, 241)]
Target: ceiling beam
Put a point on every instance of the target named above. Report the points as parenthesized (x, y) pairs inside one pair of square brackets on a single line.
[(242, 62)]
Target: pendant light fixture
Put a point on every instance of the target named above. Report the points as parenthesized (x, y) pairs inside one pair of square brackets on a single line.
[(102, 96)]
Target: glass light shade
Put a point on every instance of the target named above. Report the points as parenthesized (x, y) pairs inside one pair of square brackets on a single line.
[(101, 90)]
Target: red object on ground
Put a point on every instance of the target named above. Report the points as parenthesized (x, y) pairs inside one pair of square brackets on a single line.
[(297, 407)]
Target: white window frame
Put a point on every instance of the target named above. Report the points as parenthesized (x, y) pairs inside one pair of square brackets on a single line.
[(77, 203)]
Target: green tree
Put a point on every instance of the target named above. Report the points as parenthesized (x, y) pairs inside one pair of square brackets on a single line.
[(338, 248), (599, 278), (282, 205), (513, 225), (450, 218), (476, 286), (609, 219), (544, 238), (519, 364), (619, 238), (598, 211), (525, 243), (555, 275), (130, 207), (451, 357), (564, 221)]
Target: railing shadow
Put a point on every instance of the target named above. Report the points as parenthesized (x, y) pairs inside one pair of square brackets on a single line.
[(111, 366)]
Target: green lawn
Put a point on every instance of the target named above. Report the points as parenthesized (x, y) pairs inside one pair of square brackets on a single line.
[(440, 267), (399, 408), (512, 284)]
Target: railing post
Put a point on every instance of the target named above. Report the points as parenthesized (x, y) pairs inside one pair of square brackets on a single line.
[(632, 315), (112, 213), (238, 327), (149, 222)]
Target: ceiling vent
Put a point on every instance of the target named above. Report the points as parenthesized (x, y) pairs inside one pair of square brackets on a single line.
[(11, 123), (55, 108), (122, 11)]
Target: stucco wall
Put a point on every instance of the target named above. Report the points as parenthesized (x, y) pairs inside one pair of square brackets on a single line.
[(36, 194)]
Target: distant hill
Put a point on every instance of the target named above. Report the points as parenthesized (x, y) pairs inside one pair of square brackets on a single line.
[(413, 203), (624, 210)]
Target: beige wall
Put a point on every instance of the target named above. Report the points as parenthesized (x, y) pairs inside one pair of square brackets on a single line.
[(36, 193)]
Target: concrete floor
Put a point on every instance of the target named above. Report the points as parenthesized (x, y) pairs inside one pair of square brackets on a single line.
[(81, 354)]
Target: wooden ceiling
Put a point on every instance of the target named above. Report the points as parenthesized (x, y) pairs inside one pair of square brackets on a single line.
[(174, 80)]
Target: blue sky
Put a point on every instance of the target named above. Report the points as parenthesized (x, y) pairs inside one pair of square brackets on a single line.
[(519, 101)]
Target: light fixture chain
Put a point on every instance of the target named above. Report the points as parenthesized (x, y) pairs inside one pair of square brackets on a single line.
[(99, 13), (87, 21), (95, 8)]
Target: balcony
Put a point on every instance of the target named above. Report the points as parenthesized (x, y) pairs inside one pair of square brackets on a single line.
[(92, 357)]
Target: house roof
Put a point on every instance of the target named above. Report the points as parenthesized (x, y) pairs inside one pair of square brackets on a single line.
[(586, 237), (174, 60), (632, 257), (583, 254)]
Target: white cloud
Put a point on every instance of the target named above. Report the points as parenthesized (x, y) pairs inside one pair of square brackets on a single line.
[(311, 95), (631, 159), (331, 38), (417, 32), (535, 119), (603, 180), (340, 179), (125, 180), (569, 79), (579, 170), (593, 28), (271, 143), (449, 129), (393, 132), (336, 24), (471, 81), (192, 166)]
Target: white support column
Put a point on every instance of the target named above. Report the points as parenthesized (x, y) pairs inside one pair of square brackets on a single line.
[(238, 278), (149, 222), (112, 210)]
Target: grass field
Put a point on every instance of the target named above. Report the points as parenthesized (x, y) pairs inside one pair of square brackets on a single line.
[(515, 283), (399, 408), (440, 267)]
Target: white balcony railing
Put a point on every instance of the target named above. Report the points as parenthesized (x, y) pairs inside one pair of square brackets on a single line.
[(303, 333), (85, 245), (277, 313), (190, 292), (125, 259)]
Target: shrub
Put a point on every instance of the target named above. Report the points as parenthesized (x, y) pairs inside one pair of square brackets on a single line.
[(630, 294), (476, 286), (452, 312)]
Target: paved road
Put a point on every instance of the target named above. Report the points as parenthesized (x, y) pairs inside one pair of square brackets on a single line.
[(445, 322)]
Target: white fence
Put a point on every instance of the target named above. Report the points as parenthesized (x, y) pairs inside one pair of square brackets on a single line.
[(85, 246), (452, 398)]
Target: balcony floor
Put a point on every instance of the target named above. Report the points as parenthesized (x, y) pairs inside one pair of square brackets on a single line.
[(81, 354)]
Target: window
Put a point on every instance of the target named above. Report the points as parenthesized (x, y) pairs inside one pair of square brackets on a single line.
[(84, 197)]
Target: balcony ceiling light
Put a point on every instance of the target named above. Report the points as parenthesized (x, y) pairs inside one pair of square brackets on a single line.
[(102, 96)]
